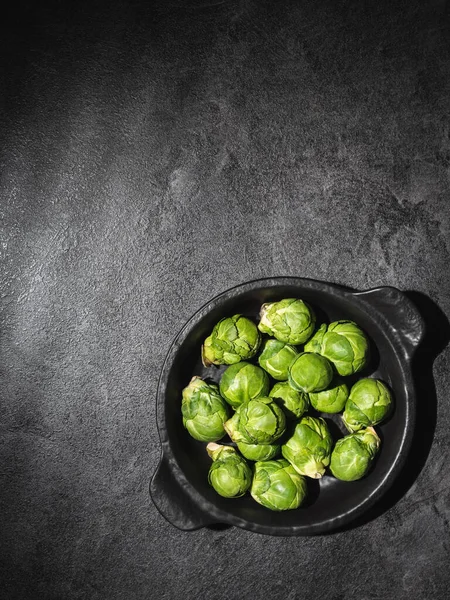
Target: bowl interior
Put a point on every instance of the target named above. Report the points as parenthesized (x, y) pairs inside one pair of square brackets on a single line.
[(330, 501)]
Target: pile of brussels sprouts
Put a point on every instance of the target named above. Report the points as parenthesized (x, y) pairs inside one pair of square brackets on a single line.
[(276, 444)]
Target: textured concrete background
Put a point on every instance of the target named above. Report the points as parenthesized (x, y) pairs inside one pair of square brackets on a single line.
[(154, 154)]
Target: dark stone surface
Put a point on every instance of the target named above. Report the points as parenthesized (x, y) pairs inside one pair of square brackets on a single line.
[(154, 154)]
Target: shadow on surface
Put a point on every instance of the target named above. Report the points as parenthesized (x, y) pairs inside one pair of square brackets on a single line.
[(219, 526), (437, 337)]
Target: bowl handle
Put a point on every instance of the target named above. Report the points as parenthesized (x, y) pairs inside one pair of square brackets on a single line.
[(173, 501), (401, 313)]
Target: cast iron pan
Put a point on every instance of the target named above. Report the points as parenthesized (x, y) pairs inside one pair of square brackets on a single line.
[(179, 487)]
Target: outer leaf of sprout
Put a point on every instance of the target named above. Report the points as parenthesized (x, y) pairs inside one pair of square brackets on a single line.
[(232, 340), (242, 382), (258, 421), (258, 452), (309, 449), (344, 344), (277, 486), (232, 428), (204, 412), (369, 403), (229, 473), (293, 402), (331, 400), (276, 358), (290, 320), (352, 455), (310, 372)]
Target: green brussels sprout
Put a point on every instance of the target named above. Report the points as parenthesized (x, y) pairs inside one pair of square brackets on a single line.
[(331, 400), (258, 451), (232, 428), (276, 358), (310, 372), (309, 449), (233, 339), (293, 402), (290, 320), (229, 474), (203, 410), (242, 382), (368, 403), (258, 421), (277, 485), (353, 454), (343, 343)]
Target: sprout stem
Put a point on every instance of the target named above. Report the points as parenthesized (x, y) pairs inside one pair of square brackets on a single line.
[(212, 447), (205, 361)]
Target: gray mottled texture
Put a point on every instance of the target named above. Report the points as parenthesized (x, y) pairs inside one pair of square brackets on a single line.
[(153, 155)]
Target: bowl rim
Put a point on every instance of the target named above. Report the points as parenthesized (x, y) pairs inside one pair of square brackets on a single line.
[(213, 514)]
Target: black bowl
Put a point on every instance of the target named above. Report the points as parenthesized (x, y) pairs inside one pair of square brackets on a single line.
[(179, 487)]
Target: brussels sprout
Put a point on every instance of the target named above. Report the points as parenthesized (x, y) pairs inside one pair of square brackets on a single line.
[(258, 451), (331, 400), (258, 421), (232, 428), (310, 372), (369, 403), (276, 358), (342, 342), (290, 320), (233, 339), (203, 410), (276, 485), (293, 402), (353, 454), (309, 449), (242, 382), (229, 474)]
